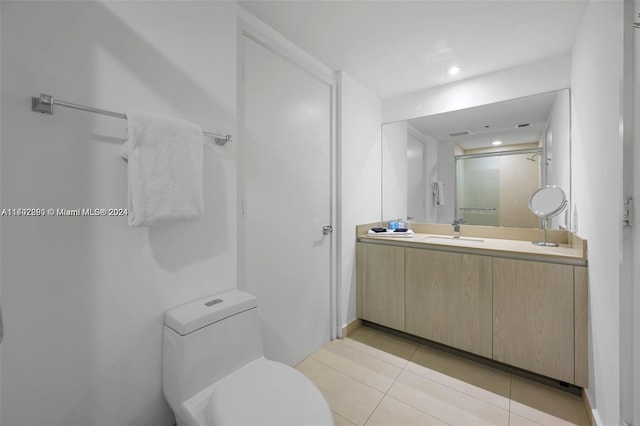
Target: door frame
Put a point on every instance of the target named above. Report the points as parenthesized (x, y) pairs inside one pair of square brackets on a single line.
[(630, 244), (635, 108), (259, 32)]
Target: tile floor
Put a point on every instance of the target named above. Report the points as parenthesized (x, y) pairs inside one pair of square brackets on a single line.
[(376, 378)]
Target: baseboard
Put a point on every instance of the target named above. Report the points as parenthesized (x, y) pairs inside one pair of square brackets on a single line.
[(594, 417), (351, 327)]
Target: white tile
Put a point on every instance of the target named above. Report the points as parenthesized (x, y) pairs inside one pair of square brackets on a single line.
[(386, 342), (480, 381), (447, 404), (435, 387), (358, 365), (338, 420), (516, 420), (394, 412), (380, 354), (546, 405), (346, 396)]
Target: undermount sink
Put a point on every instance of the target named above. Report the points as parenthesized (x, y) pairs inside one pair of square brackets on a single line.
[(461, 241)]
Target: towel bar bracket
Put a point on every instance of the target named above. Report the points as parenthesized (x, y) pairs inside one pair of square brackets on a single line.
[(218, 140), (44, 104)]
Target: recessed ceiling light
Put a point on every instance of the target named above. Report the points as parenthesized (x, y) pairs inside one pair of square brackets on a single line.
[(496, 143), (454, 70)]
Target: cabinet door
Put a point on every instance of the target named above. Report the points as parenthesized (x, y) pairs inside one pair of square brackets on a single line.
[(381, 284), (449, 298), (533, 317)]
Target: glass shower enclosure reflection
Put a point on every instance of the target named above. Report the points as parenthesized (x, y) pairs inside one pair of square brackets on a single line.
[(494, 189)]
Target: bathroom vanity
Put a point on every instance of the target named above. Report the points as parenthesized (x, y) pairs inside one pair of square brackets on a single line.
[(490, 292)]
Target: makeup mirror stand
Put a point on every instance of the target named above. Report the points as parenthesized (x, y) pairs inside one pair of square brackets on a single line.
[(546, 202)]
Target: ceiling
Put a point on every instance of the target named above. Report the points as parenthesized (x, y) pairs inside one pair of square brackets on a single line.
[(486, 123), (395, 47)]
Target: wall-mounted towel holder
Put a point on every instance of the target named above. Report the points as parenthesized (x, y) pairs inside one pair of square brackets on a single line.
[(44, 104)]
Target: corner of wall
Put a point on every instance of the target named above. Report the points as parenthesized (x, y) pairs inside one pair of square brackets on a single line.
[(597, 164), (359, 168)]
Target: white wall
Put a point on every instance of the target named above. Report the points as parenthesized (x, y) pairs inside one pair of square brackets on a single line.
[(560, 152), (83, 298), (429, 169), (596, 73), (530, 79), (416, 186), (394, 171), (359, 198), (431, 174), (447, 175)]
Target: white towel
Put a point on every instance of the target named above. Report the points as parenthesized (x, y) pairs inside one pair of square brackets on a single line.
[(438, 193), (165, 169)]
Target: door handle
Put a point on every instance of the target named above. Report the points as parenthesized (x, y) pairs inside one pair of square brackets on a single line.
[(327, 229)]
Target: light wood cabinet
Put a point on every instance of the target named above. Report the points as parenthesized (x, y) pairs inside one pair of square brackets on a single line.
[(525, 313), (449, 298), (380, 283), (533, 317)]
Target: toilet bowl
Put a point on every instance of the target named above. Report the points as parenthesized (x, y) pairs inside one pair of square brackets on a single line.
[(214, 371)]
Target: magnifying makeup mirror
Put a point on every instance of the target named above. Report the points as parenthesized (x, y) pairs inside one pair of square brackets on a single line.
[(546, 202)]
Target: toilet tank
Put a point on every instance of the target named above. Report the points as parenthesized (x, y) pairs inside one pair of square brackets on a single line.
[(206, 340)]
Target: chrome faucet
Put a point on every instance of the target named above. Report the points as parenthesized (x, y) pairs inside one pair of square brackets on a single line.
[(456, 227)]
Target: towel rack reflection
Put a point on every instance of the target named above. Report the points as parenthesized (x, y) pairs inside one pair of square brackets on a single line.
[(44, 103)]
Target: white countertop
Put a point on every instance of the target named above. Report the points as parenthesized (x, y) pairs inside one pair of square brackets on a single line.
[(517, 249)]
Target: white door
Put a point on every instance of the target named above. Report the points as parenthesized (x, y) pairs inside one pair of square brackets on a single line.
[(285, 194), (636, 248), (416, 182)]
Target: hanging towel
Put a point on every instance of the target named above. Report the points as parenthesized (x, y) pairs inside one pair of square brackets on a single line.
[(165, 164), (438, 193)]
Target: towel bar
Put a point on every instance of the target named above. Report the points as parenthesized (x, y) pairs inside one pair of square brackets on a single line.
[(44, 104)]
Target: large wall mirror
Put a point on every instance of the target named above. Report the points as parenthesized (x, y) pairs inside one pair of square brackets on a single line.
[(478, 164)]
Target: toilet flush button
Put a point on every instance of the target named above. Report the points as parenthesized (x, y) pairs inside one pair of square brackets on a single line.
[(214, 302)]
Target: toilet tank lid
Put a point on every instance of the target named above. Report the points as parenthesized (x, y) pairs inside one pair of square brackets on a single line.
[(194, 315)]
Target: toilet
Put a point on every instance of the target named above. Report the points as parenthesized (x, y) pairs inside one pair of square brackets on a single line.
[(214, 371)]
